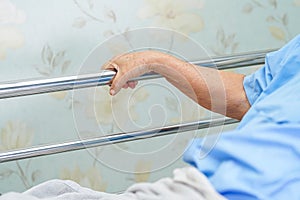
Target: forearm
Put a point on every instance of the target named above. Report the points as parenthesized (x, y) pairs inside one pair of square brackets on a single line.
[(215, 90), (218, 91)]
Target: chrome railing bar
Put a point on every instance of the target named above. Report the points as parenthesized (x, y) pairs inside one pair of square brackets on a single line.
[(111, 139), (235, 61), (31, 87)]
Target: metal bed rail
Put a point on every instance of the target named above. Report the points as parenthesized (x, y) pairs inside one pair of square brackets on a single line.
[(111, 139), (31, 87)]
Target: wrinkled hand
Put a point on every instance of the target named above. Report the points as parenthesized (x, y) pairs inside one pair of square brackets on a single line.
[(129, 66)]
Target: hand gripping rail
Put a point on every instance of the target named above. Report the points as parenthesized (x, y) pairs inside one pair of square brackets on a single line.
[(30, 87)]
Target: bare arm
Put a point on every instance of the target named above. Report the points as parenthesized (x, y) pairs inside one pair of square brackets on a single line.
[(218, 91)]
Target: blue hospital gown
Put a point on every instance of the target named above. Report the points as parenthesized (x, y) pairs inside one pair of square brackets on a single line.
[(261, 158)]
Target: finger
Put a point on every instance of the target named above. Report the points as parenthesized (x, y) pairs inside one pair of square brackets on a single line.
[(114, 83), (117, 83), (132, 84), (125, 86)]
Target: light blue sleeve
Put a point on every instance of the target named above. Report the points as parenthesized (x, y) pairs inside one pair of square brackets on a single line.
[(259, 81)]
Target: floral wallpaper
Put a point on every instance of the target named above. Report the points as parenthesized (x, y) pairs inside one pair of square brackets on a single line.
[(53, 38)]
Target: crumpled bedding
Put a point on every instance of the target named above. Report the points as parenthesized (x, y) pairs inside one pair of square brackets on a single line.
[(187, 183)]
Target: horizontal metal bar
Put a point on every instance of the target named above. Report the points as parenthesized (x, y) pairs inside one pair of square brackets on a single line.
[(235, 61), (31, 87), (112, 139)]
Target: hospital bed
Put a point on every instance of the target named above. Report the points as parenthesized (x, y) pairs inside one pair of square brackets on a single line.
[(39, 86)]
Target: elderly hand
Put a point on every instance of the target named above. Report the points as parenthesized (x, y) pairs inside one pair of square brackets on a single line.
[(131, 65)]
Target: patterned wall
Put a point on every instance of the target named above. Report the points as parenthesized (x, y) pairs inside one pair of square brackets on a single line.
[(52, 38)]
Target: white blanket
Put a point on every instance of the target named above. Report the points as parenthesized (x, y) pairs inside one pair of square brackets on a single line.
[(187, 184)]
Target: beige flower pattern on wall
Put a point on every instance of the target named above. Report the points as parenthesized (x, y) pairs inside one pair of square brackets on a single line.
[(18, 135), (277, 21), (186, 110), (225, 43), (93, 12), (297, 2), (182, 16), (10, 35), (54, 64), (145, 167), (105, 107), (15, 135)]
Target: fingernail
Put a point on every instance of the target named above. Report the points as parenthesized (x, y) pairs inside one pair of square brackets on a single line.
[(112, 92)]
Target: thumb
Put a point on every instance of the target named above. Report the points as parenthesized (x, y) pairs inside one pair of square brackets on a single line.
[(117, 83)]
